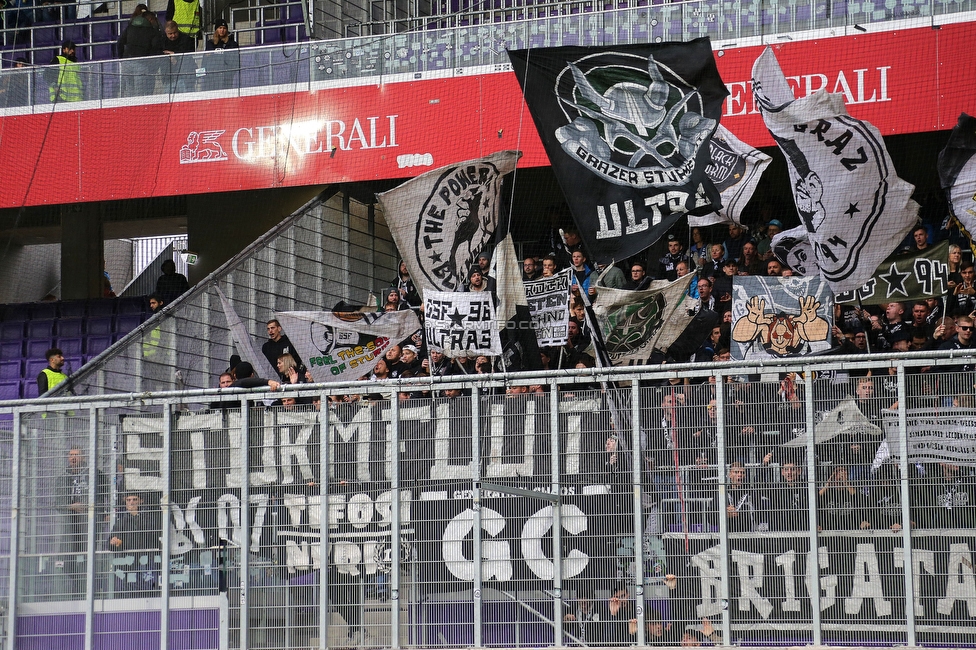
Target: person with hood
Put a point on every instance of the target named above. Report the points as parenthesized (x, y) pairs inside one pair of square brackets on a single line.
[(139, 39)]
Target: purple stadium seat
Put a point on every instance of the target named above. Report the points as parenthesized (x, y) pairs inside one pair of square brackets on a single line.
[(10, 370), (70, 327), (136, 305), (102, 307), (71, 346), (101, 326), (12, 349), (37, 347), (127, 323), (10, 390), (72, 363), (17, 311), (40, 329), (103, 31), (74, 309), (29, 388), (33, 368), (95, 345), (43, 310), (12, 330)]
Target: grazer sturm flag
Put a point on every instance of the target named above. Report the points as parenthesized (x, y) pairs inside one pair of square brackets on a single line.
[(957, 172), (910, 276), (793, 248), (461, 323), (780, 317), (635, 323), (443, 219), (627, 130), (848, 196), (341, 346), (549, 305), (735, 169)]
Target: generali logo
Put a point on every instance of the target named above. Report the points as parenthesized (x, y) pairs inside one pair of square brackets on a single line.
[(250, 144)]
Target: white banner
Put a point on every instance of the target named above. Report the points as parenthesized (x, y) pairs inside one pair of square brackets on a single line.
[(935, 435), (242, 339), (342, 346), (461, 324), (549, 305), (442, 219), (735, 170), (848, 196)]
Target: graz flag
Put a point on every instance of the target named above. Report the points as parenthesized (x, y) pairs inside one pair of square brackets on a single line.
[(627, 130), (957, 172), (847, 193), (461, 324), (635, 323), (915, 275), (549, 306), (792, 247), (339, 346), (780, 317), (442, 219), (735, 169)]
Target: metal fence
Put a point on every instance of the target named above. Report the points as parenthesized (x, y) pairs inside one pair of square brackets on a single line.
[(612, 507)]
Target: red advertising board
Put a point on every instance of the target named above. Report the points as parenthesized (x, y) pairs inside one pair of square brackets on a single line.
[(901, 81)]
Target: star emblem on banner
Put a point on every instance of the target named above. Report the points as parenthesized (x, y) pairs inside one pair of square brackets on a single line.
[(895, 280), (852, 210), (457, 318)]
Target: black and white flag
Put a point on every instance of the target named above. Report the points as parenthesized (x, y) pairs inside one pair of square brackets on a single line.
[(780, 317), (627, 130), (461, 324), (635, 323), (793, 248), (443, 219), (549, 305), (849, 198), (735, 169), (344, 346), (957, 172)]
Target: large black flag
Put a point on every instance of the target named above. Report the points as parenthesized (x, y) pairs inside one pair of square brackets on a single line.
[(627, 131)]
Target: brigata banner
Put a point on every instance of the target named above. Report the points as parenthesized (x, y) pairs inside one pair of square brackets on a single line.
[(860, 582), (549, 305), (461, 323), (907, 276)]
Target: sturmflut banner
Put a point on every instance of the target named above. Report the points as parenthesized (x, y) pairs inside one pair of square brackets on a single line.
[(549, 305), (776, 317), (461, 324), (345, 345)]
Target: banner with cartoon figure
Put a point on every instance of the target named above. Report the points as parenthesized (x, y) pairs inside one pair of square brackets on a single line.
[(343, 346), (780, 317), (627, 130)]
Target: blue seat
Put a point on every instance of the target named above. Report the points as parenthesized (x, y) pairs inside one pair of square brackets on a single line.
[(40, 329), (101, 307), (12, 349), (103, 31), (70, 327), (71, 346), (10, 390), (95, 345), (37, 347), (11, 330), (72, 363), (74, 309), (101, 325), (17, 311), (136, 305), (127, 323), (43, 310), (28, 388), (33, 368), (11, 370)]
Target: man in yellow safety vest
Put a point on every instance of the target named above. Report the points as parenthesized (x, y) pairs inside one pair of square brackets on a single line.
[(67, 88), (53, 375)]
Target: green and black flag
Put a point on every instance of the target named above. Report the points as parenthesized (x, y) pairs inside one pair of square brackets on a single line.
[(902, 277), (627, 129)]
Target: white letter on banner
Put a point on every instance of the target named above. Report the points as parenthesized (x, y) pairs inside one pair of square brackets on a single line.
[(750, 569), (496, 555), (346, 557), (921, 559), (196, 424), (384, 507), (573, 522), (867, 583), (960, 583), (605, 232), (791, 603), (828, 583), (708, 563), (297, 449), (134, 450), (179, 542), (497, 430), (359, 427), (442, 467)]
